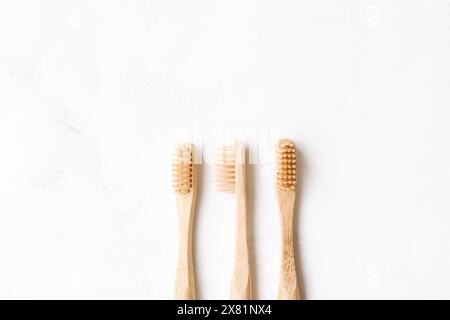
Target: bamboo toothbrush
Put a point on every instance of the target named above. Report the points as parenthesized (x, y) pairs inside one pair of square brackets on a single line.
[(185, 187), (286, 192), (231, 178)]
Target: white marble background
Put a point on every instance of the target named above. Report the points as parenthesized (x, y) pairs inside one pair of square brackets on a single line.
[(93, 95)]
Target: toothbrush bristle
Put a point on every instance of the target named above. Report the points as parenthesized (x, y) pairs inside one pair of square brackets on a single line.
[(183, 169), (286, 165), (225, 170)]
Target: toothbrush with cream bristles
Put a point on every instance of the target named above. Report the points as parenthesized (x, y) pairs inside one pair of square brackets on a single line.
[(231, 178), (185, 187)]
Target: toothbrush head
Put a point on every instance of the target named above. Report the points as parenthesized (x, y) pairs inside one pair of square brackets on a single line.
[(226, 169), (286, 165), (183, 169)]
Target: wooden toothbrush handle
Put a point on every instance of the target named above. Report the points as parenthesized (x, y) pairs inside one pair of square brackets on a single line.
[(289, 288), (241, 283), (185, 276)]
